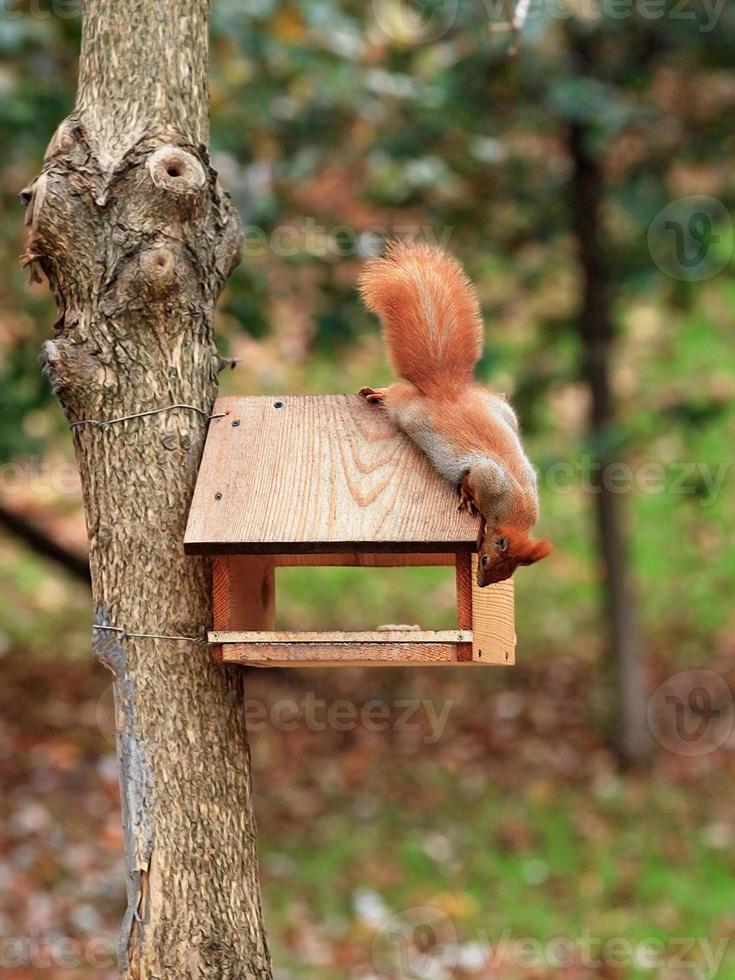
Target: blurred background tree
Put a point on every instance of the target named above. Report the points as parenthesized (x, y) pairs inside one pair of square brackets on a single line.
[(337, 124)]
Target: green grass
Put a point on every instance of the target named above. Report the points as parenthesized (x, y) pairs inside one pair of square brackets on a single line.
[(626, 867), (364, 598)]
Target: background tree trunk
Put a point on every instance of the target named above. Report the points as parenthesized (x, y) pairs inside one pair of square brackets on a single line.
[(595, 327), (43, 544), (129, 225)]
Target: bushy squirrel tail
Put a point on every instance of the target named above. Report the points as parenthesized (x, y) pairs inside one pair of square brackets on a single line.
[(430, 314)]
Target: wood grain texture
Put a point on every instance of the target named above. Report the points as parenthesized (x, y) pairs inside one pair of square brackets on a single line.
[(380, 637), (463, 566), (252, 593), (463, 571), (221, 592), (244, 613), (243, 594), (342, 654), (318, 474), (367, 559), (493, 621)]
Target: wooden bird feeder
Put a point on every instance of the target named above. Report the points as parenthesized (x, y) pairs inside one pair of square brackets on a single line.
[(328, 480)]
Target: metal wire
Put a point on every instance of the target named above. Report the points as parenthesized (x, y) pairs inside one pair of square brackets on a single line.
[(151, 636), (103, 423)]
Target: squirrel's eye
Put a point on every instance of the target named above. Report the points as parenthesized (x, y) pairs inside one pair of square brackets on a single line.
[(485, 560), (502, 544)]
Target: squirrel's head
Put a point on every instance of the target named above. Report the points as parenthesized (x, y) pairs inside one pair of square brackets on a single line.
[(502, 549)]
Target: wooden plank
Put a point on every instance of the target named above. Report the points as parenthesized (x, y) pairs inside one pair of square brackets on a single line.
[(252, 593), (343, 655), (244, 618), (493, 621), (464, 591), (220, 592), (359, 559), (243, 594), (381, 637), (318, 474), (463, 567)]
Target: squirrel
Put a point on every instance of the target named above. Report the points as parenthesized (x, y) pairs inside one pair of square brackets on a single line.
[(433, 330)]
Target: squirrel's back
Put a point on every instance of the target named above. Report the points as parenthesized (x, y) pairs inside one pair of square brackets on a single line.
[(430, 314)]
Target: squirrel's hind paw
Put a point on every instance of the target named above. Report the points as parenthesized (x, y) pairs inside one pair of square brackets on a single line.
[(466, 499), (375, 396)]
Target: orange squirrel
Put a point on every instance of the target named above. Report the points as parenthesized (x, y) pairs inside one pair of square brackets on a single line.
[(433, 331)]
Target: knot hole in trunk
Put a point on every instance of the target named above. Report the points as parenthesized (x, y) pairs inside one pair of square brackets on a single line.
[(177, 171), (158, 266)]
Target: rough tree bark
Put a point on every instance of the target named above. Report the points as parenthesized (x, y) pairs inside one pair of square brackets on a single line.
[(595, 327), (130, 227)]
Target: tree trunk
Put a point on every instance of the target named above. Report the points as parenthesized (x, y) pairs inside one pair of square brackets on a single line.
[(129, 225), (595, 326)]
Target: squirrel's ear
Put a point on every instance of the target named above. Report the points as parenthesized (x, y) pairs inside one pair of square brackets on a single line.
[(535, 551)]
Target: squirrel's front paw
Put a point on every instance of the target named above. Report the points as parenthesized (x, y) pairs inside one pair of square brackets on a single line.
[(375, 396)]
